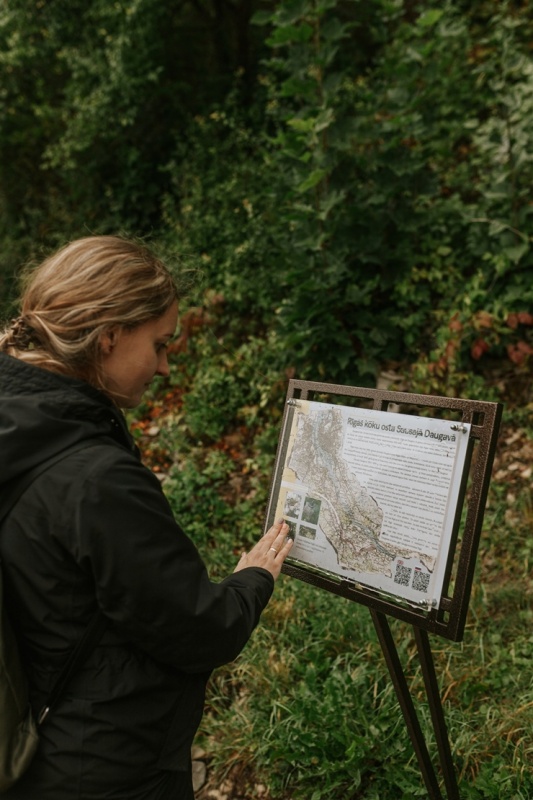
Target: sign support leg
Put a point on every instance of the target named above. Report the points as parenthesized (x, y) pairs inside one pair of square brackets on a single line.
[(409, 712), (437, 713)]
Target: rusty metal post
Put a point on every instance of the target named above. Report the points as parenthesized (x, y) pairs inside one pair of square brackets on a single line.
[(406, 704)]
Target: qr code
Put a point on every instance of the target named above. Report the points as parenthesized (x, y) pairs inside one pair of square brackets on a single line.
[(420, 581), (403, 575)]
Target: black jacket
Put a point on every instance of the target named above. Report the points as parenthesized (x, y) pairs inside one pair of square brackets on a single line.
[(95, 530)]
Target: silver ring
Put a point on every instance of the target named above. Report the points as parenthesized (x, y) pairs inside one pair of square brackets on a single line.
[(273, 548)]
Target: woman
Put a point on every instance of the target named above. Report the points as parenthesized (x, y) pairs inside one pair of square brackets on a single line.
[(95, 531)]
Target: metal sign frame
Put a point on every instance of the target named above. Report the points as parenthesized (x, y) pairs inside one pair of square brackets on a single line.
[(448, 620)]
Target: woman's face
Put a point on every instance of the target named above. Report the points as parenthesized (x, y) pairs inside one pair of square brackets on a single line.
[(132, 358)]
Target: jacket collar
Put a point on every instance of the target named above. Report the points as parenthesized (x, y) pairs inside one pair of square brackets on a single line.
[(42, 413)]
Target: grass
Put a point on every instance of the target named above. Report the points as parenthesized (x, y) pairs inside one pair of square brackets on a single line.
[(316, 714)]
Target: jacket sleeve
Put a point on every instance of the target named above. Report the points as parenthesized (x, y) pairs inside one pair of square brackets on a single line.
[(149, 578)]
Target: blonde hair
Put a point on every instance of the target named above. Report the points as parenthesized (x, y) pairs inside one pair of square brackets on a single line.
[(89, 286)]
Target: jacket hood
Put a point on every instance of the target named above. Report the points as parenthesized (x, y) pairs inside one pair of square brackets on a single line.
[(42, 413)]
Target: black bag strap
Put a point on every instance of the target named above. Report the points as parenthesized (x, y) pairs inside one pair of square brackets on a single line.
[(93, 632)]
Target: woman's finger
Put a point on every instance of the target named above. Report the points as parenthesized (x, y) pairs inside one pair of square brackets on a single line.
[(274, 530), (271, 551)]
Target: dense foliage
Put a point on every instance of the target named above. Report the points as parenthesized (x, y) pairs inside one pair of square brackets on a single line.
[(350, 183), (353, 178)]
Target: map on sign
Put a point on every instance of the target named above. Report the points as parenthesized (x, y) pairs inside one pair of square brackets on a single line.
[(371, 496)]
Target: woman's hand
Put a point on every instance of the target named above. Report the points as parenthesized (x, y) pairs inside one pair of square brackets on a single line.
[(270, 552)]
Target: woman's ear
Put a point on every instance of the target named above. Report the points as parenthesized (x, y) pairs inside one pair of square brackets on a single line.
[(108, 340)]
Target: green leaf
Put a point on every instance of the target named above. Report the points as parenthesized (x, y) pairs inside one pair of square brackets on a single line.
[(324, 120), (290, 33), (516, 252), (332, 200), (301, 125), (429, 18), (314, 178), (262, 18)]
